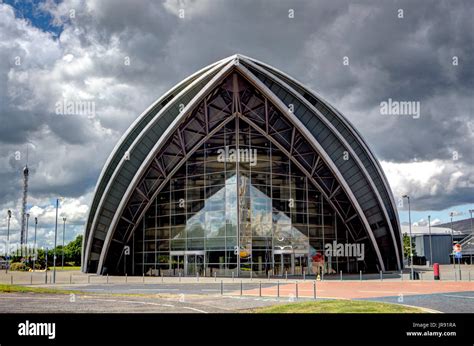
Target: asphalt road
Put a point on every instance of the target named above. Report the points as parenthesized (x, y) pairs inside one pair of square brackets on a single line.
[(456, 302), (103, 303), (206, 288)]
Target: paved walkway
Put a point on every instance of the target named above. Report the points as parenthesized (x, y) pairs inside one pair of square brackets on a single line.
[(205, 293), (363, 289)]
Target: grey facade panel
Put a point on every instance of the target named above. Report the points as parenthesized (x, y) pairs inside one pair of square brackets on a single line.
[(441, 247)]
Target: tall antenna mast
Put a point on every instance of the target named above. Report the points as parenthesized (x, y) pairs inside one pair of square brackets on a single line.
[(23, 206)]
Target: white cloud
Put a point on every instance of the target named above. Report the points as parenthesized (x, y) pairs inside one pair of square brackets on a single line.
[(86, 62), (424, 222), (192, 8), (427, 180)]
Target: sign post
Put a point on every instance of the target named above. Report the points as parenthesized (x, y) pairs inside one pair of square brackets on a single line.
[(458, 254)]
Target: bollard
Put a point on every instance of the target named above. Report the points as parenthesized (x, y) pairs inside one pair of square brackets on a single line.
[(31, 279), (197, 277), (278, 289), (107, 278), (260, 289), (421, 275), (215, 276), (232, 276), (314, 290), (341, 274), (304, 275), (455, 275), (360, 275), (11, 279), (296, 289), (70, 279), (179, 276), (401, 274), (251, 274), (143, 277), (222, 287), (46, 277), (126, 278), (381, 276), (162, 278), (286, 274), (241, 287), (322, 276), (268, 275), (88, 279)]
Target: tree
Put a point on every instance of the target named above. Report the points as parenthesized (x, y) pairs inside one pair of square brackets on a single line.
[(406, 246), (72, 251)]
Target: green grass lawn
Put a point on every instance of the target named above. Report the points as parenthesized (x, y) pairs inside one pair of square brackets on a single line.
[(337, 306), (27, 289)]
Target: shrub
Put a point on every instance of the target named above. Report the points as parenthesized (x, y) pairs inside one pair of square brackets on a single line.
[(19, 266)]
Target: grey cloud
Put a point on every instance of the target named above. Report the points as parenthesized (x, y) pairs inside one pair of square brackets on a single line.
[(408, 59)]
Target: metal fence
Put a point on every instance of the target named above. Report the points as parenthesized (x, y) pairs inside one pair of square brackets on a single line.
[(65, 278)]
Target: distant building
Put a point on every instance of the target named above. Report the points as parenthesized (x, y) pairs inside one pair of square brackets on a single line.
[(441, 242)]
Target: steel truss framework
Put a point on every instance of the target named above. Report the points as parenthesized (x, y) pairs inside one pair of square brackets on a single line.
[(217, 109), (229, 95)]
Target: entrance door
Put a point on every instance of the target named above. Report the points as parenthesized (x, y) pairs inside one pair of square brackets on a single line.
[(177, 265), (195, 264), (301, 263), (288, 263), (284, 263)]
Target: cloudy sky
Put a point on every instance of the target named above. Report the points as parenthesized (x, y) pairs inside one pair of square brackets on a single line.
[(122, 55)]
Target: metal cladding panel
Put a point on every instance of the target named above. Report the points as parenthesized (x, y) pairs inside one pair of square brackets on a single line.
[(322, 133), (128, 170), (349, 136), (334, 148), (122, 146)]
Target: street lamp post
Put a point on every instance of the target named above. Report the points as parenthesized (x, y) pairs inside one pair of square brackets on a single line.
[(55, 241), (409, 226), (35, 253), (64, 232), (472, 230), (431, 248), (26, 237), (46, 266), (7, 247), (452, 239)]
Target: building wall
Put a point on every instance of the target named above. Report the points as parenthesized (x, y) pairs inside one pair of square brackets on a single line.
[(441, 247)]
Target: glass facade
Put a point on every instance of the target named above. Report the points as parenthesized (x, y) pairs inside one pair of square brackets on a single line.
[(237, 206), (250, 180)]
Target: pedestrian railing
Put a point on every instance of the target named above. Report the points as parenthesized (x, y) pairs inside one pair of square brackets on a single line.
[(64, 278)]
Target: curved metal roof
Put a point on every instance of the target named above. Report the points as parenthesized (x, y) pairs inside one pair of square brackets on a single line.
[(340, 146)]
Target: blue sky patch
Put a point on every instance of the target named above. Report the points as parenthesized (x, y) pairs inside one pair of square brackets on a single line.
[(32, 12)]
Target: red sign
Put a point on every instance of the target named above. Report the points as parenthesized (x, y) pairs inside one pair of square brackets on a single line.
[(318, 258)]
